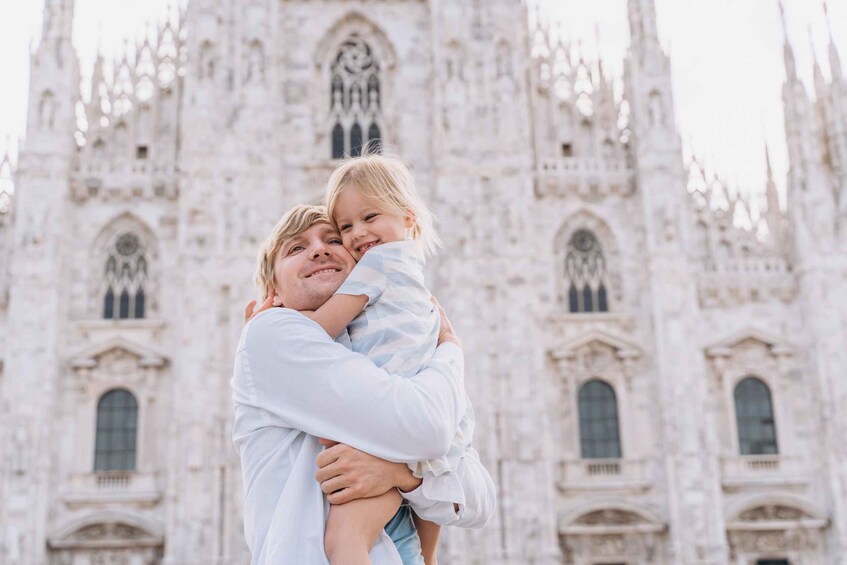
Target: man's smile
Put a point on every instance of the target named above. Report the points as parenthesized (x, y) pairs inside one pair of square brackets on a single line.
[(324, 271)]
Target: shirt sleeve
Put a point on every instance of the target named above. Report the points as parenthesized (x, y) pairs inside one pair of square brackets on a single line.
[(299, 378), (477, 500), (367, 277)]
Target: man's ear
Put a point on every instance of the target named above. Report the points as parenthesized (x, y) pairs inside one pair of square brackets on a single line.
[(277, 299)]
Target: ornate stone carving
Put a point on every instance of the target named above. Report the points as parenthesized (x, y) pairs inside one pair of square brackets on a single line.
[(109, 532), (773, 512), (610, 517)]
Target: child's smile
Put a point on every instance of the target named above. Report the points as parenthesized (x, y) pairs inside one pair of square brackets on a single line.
[(364, 225)]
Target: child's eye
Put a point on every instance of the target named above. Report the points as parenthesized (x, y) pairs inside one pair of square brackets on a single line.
[(370, 217), (344, 228)]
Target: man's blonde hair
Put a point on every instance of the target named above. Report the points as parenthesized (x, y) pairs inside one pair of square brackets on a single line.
[(295, 221), (389, 183)]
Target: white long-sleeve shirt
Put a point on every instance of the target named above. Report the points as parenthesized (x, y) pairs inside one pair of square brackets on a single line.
[(292, 385)]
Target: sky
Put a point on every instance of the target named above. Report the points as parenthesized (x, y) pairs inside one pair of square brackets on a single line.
[(726, 61)]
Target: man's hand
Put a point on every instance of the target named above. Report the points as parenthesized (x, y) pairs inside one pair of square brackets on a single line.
[(250, 312), (445, 333), (346, 474)]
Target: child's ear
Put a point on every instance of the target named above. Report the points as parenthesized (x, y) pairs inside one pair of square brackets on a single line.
[(409, 220)]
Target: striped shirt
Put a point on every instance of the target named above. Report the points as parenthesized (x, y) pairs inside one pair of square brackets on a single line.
[(398, 331)]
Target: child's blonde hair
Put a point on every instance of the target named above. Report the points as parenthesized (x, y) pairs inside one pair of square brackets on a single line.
[(387, 181)]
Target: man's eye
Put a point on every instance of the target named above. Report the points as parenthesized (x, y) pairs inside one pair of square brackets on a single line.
[(296, 248), (335, 241)]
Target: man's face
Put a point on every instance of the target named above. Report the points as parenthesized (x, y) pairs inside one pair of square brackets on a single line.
[(310, 267)]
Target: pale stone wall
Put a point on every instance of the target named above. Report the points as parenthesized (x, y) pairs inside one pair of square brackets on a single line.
[(516, 153)]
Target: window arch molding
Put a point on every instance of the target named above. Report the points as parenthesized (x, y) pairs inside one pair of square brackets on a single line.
[(585, 221), (104, 246), (113, 364), (752, 352), (596, 356), (353, 24)]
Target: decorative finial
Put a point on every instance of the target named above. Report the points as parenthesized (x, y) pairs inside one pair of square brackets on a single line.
[(768, 160)]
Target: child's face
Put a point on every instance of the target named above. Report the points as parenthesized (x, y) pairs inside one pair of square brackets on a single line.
[(364, 225)]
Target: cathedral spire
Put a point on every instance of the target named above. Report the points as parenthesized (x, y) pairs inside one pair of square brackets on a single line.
[(95, 106), (820, 81), (834, 58), (57, 29), (643, 29), (771, 192), (788, 51), (58, 19)]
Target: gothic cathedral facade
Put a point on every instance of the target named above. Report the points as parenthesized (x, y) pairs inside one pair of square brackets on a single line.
[(658, 374)]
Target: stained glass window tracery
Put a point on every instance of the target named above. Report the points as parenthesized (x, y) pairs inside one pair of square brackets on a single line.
[(586, 275), (356, 99), (125, 276)]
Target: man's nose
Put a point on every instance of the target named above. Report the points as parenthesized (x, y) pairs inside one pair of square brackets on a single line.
[(318, 249)]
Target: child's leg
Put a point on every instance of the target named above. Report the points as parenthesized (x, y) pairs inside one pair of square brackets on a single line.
[(429, 533), (353, 528)]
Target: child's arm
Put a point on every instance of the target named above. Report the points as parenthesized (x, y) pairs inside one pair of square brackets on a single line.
[(334, 315)]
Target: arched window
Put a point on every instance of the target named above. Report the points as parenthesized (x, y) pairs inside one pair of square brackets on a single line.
[(125, 277), (599, 437), (356, 99), (338, 142), (586, 275), (754, 415), (117, 426)]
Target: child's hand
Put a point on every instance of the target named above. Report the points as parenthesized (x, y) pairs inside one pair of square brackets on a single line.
[(445, 332), (250, 313)]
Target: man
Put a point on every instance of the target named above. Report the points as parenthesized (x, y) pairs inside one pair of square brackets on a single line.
[(292, 385)]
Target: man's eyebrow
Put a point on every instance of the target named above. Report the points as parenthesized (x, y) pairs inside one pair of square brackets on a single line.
[(329, 230), (291, 241)]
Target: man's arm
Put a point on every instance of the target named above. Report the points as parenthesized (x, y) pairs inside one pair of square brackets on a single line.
[(291, 370), (348, 474)]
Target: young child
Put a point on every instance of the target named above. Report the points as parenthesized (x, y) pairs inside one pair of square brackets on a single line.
[(390, 318)]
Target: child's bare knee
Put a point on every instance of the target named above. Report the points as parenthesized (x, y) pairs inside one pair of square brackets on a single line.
[(351, 536)]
